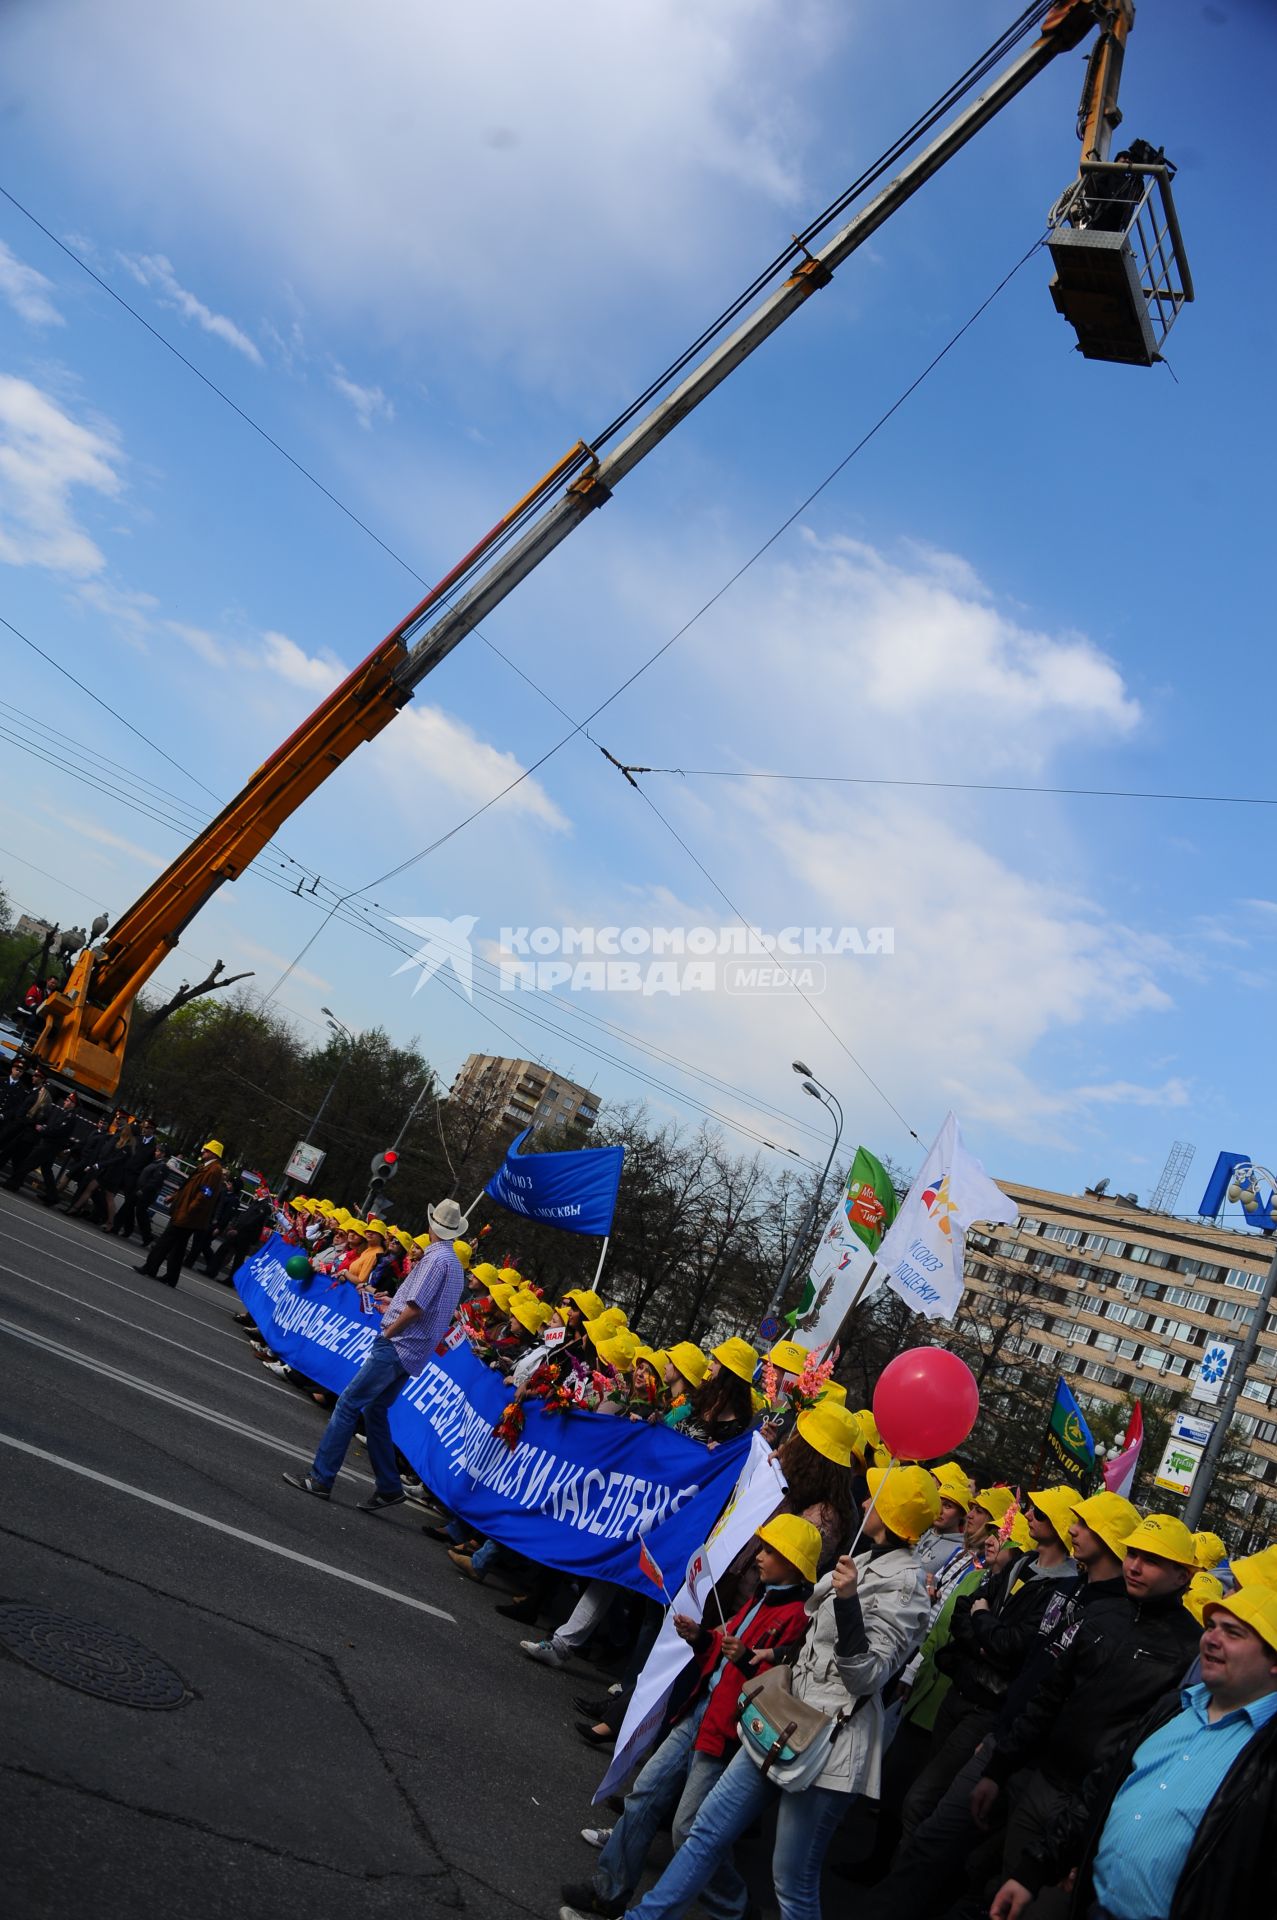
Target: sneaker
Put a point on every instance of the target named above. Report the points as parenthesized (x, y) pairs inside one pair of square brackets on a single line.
[(376, 1501), (543, 1651), (583, 1900), (278, 1367), (596, 1837), (306, 1483)]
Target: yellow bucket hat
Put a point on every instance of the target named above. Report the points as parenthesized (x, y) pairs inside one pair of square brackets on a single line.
[(834, 1394), (422, 1240), (1201, 1588), (357, 1226), (1058, 1505), (789, 1356), (1166, 1536), (463, 1251), (502, 1293), (690, 1361), (996, 1501), (485, 1272), (1110, 1517), (605, 1324), (796, 1540), (1019, 1535), (1209, 1549), (1257, 1569), (655, 1357), (510, 1276), (953, 1484), (619, 1349), (588, 1303), (737, 1356), (1256, 1607), (833, 1432), (907, 1498), (213, 1146), (869, 1426), (530, 1312)]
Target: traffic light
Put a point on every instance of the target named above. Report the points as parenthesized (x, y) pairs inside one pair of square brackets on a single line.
[(384, 1168)]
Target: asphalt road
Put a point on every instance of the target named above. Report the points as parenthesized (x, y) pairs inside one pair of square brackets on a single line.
[(359, 1734)]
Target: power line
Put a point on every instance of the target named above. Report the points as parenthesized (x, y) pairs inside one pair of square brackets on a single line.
[(961, 786)]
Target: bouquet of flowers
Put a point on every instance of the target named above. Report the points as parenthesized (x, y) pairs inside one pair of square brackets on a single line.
[(510, 1426), (810, 1384)]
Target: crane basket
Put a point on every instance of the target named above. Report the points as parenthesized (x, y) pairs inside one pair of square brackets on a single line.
[(1121, 275)]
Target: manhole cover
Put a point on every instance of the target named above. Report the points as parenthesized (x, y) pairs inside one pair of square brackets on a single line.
[(94, 1659)]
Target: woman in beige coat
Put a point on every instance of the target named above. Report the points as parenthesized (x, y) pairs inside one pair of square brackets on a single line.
[(867, 1617)]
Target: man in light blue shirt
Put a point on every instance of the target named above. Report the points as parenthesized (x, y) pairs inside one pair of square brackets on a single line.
[(1188, 1831)]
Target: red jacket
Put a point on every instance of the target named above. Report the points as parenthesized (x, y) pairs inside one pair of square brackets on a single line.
[(777, 1620)]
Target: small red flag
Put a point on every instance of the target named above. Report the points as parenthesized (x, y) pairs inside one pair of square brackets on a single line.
[(649, 1567)]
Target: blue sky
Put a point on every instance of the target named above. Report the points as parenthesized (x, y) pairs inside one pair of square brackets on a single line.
[(427, 249)]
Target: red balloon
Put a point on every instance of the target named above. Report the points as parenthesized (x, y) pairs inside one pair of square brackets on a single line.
[(925, 1403)]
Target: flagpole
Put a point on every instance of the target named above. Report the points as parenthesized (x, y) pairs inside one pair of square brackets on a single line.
[(474, 1203), (859, 1295), (602, 1257)]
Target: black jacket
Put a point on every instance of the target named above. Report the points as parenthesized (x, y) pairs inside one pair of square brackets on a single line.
[(1121, 1658), (1228, 1872), (986, 1650)]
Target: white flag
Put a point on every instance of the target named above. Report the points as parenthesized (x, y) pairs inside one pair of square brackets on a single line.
[(924, 1249), (837, 1271), (758, 1493)]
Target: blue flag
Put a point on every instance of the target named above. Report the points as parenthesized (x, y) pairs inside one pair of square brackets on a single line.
[(575, 1191)]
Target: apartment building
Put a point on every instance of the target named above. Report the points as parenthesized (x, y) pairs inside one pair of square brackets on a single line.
[(521, 1093), (1122, 1301)]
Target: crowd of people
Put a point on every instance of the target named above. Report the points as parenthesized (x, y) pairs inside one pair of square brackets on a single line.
[(1024, 1700)]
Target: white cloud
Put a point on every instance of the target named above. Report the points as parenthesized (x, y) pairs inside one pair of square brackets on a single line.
[(1128, 1093), (316, 673), (44, 456), (202, 643), (130, 612), (404, 179), (370, 403), (155, 271), (102, 836), (27, 291)]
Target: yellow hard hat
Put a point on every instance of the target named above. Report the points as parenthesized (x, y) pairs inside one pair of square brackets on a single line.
[(213, 1147), (1166, 1536), (796, 1540), (834, 1393), (869, 1426), (463, 1251), (907, 1498), (737, 1356), (587, 1302), (485, 1272), (690, 1361), (530, 1312), (511, 1276), (1209, 1550), (1110, 1517), (788, 1356), (501, 1292), (1256, 1607), (953, 1483), (833, 1432), (996, 1501), (1058, 1505), (1201, 1588), (1257, 1569)]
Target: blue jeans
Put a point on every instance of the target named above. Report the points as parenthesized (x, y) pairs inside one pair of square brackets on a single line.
[(370, 1393), (673, 1783), (805, 1824)]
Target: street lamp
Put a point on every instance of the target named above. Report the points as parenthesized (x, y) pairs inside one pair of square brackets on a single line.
[(1244, 1187), (338, 1026), (818, 1091)]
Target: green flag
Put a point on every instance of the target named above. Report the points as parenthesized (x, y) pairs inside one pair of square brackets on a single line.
[(866, 1208), (870, 1199)]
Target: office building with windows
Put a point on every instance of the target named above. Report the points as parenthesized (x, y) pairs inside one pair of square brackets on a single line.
[(522, 1093), (1123, 1301)]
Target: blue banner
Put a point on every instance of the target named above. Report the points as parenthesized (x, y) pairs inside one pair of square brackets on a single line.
[(575, 1191), (575, 1493)]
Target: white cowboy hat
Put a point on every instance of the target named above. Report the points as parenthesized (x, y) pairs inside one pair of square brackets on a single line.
[(447, 1220)]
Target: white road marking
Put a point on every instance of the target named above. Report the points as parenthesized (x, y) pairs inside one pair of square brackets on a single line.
[(92, 1237), (60, 1351), (241, 1373), (220, 1526)]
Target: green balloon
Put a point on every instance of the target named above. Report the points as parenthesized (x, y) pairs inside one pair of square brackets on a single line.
[(298, 1267)]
